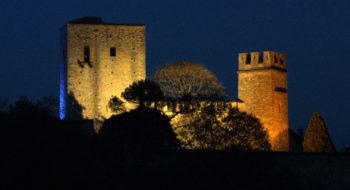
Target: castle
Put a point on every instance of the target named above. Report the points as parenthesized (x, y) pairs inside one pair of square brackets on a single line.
[(100, 60)]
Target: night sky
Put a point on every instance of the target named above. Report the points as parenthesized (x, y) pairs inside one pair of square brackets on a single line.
[(315, 36)]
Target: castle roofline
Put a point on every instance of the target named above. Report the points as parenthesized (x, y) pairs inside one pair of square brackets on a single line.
[(97, 21)]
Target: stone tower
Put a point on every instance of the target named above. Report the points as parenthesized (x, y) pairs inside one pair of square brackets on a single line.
[(99, 60), (262, 86)]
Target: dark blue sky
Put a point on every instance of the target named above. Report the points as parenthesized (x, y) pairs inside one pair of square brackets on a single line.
[(315, 36)]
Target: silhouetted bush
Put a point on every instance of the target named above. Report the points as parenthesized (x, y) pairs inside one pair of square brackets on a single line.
[(296, 140), (139, 129), (116, 105), (40, 150), (74, 109)]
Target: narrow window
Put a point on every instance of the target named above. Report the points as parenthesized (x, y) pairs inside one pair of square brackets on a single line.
[(279, 108), (87, 54), (112, 52)]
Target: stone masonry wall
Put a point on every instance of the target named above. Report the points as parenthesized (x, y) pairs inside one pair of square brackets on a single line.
[(92, 85), (262, 86)]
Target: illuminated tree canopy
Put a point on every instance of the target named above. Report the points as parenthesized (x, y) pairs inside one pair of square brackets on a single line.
[(189, 79), (221, 128)]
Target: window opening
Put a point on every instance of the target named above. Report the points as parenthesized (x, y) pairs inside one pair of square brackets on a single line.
[(112, 52), (87, 54)]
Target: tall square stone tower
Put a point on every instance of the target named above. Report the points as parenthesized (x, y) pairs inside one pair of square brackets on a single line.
[(99, 61), (262, 86)]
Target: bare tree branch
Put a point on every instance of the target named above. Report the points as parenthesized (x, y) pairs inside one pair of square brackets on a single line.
[(185, 78)]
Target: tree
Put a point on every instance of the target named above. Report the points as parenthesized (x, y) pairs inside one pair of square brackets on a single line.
[(143, 90), (139, 129), (296, 140), (116, 105), (50, 102), (200, 129), (3, 104), (221, 128), (191, 80), (317, 138), (246, 131), (25, 108)]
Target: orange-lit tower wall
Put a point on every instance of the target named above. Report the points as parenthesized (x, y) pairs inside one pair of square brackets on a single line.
[(262, 86), (99, 60)]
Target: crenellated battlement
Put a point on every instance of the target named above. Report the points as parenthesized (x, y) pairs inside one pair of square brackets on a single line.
[(264, 60)]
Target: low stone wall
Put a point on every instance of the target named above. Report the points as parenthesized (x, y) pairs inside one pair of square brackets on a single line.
[(172, 107)]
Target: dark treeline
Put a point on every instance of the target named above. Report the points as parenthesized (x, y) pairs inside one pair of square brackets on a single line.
[(141, 149), (42, 152), (39, 151)]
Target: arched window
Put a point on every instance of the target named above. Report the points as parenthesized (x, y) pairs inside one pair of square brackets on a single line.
[(112, 52)]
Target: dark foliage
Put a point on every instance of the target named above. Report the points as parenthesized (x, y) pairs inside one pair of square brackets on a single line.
[(296, 140), (139, 129), (143, 90), (26, 109), (116, 105), (246, 131), (317, 138), (75, 110), (39, 151), (3, 105)]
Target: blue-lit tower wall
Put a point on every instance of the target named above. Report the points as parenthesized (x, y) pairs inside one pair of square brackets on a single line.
[(63, 72)]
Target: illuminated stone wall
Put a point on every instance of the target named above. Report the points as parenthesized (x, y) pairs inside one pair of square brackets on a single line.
[(262, 86), (86, 87)]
